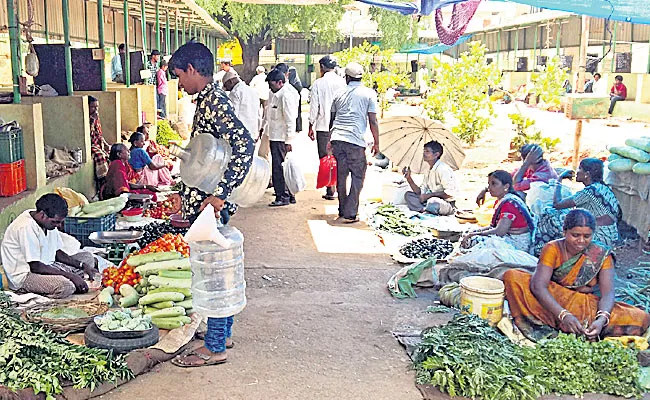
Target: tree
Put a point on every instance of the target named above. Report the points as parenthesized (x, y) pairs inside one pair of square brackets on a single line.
[(380, 71), (256, 25), (462, 89), (396, 30)]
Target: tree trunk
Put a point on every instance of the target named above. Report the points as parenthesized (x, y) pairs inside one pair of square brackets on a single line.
[(251, 56)]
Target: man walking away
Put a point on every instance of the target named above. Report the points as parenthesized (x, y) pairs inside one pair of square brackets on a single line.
[(245, 102), (618, 93), (280, 126), (291, 77), (323, 92), (351, 112), (162, 91), (152, 65), (260, 85), (117, 74)]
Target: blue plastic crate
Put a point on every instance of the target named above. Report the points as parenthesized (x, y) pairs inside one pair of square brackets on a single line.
[(82, 227)]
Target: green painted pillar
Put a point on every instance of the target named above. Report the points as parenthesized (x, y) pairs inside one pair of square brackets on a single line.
[(46, 23), (168, 47), (158, 26), (100, 35), (127, 57), (143, 20), (613, 67), (184, 39), (115, 48), (558, 40), (14, 43), (498, 48), (86, 21), (65, 9)]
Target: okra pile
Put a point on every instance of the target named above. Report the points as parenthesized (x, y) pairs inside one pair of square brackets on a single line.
[(426, 248), (467, 357)]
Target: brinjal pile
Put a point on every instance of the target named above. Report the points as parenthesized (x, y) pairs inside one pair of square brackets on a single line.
[(427, 248)]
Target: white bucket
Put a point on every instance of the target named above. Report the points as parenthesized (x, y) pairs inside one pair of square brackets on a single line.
[(482, 296)]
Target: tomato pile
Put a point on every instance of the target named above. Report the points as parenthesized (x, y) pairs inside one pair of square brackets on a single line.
[(168, 242), (118, 276), (160, 211)]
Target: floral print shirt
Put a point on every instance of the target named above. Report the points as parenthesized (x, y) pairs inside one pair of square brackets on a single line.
[(215, 115)]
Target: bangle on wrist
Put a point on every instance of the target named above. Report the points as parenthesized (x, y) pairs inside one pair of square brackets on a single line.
[(563, 314)]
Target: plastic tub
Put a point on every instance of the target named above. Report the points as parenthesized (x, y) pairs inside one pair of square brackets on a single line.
[(12, 178), (482, 296), (132, 214)]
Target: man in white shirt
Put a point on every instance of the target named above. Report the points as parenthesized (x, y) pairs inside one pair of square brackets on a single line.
[(280, 126), (225, 66), (436, 194), (321, 97), (260, 85), (599, 86), (352, 111), (245, 102), (32, 257)]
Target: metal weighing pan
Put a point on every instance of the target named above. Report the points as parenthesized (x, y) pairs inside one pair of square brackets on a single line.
[(111, 237)]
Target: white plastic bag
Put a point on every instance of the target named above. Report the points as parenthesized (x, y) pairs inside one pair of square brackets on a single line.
[(540, 195), (293, 177)]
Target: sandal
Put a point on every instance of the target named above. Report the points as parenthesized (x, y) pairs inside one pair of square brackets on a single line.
[(201, 336), (204, 359)]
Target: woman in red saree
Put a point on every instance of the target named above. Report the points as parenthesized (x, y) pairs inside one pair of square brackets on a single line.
[(117, 178), (560, 295)]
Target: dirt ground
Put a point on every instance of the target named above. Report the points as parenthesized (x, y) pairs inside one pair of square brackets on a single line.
[(319, 317)]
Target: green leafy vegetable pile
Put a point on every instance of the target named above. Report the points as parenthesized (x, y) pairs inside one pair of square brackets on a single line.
[(165, 133), (392, 220), (34, 357), (469, 358)]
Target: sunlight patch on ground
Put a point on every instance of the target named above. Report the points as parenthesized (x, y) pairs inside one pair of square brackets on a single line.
[(344, 239)]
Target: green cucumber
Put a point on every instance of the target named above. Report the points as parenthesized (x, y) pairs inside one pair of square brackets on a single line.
[(187, 292), (163, 304), (168, 312), (185, 304), (141, 259), (170, 282), (153, 298), (176, 274), (152, 268)]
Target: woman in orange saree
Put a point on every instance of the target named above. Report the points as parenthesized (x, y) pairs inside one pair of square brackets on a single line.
[(560, 295)]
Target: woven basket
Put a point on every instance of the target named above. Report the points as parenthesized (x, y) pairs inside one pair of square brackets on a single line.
[(66, 325)]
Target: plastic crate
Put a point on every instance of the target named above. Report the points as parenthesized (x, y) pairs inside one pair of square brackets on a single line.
[(82, 227), (12, 178), (11, 146)]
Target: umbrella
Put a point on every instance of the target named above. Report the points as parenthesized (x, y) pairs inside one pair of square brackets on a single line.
[(402, 140)]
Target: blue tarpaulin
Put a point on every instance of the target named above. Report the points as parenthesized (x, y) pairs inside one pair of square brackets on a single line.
[(425, 7), (436, 48), (635, 11)]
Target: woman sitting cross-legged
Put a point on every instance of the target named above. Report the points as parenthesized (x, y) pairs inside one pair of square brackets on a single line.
[(561, 294), (512, 219), (117, 178)]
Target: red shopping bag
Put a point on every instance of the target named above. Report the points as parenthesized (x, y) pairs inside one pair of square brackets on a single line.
[(326, 172)]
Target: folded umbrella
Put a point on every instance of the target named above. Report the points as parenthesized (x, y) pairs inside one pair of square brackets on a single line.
[(402, 140)]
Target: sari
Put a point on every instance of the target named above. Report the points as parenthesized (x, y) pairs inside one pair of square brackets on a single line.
[(596, 198), (99, 149), (118, 180), (572, 286)]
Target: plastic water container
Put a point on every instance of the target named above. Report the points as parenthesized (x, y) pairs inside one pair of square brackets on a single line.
[(204, 162), (218, 284)]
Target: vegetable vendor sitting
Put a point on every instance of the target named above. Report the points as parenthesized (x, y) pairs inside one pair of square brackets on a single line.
[(533, 169), (436, 195), (511, 220), (561, 294), (117, 179), (145, 169), (32, 257)]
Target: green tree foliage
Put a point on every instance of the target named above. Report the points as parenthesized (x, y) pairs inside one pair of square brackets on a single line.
[(381, 73), (256, 25), (462, 89), (396, 30), (548, 84), (527, 132)]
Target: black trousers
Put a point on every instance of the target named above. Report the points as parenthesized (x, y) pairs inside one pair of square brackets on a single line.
[(350, 161), (322, 139), (278, 153)]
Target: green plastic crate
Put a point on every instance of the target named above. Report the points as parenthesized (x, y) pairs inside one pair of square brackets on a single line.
[(11, 146)]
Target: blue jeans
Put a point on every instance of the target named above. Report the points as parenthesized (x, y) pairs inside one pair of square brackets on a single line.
[(219, 329), (613, 101)]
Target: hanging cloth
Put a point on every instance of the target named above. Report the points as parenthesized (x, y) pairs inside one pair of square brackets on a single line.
[(462, 14)]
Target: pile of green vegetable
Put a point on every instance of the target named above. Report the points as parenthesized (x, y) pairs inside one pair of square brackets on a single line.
[(33, 357), (637, 292), (99, 208), (467, 357), (392, 220), (634, 156), (124, 320), (63, 313), (165, 133)]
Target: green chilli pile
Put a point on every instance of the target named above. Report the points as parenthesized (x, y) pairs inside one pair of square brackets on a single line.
[(392, 220), (467, 357), (34, 357)]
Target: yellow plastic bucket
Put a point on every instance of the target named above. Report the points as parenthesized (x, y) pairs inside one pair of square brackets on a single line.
[(482, 296)]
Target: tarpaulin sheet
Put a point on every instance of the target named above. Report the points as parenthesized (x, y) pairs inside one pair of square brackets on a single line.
[(436, 48), (425, 7), (635, 11)]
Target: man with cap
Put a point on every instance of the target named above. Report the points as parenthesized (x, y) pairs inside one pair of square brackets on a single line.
[(260, 84), (352, 111), (245, 102), (321, 97), (152, 65), (280, 126)]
